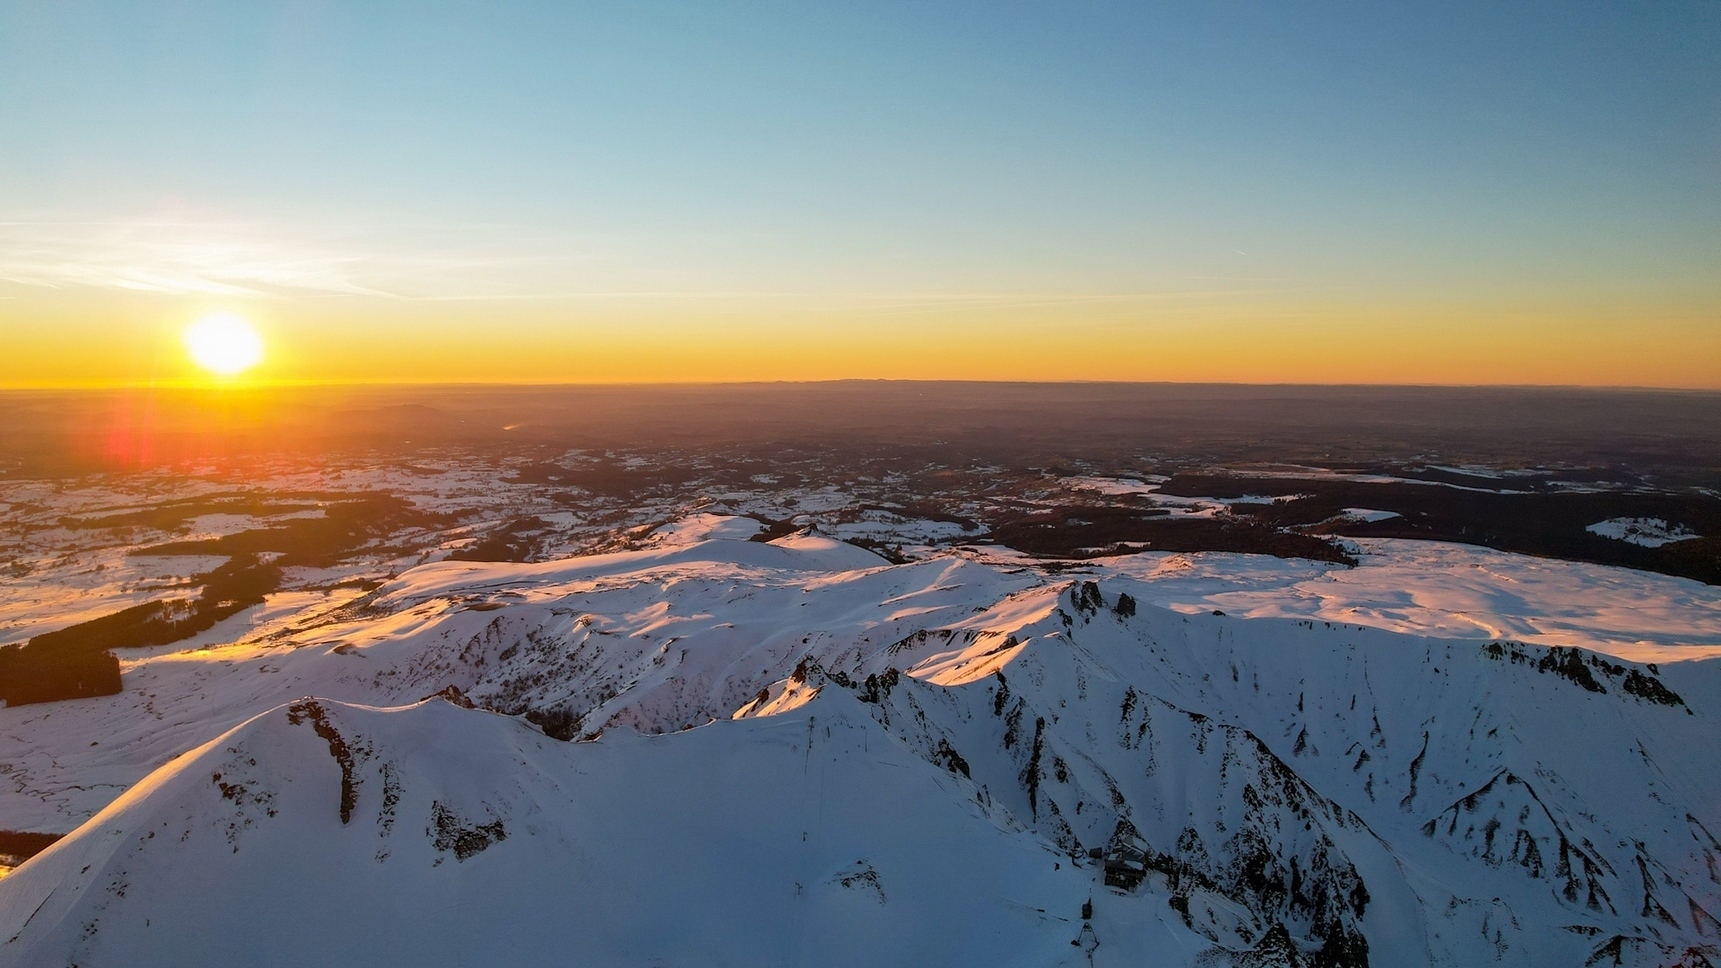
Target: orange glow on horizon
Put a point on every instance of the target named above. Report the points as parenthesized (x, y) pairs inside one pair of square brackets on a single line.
[(1195, 340)]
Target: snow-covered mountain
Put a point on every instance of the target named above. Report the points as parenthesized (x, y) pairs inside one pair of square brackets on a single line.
[(722, 751)]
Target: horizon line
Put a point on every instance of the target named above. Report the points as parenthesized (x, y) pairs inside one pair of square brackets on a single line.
[(265, 385)]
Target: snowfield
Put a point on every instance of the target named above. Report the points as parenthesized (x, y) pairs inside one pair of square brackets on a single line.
[(1647, 532), (716, 751)]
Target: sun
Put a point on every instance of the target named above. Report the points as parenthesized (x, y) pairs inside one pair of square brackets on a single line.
[(224, 344)]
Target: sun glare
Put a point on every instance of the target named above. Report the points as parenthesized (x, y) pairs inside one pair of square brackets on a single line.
[(224, 344)]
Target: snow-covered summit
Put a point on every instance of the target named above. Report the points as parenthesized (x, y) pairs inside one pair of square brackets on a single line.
[(321, 832)]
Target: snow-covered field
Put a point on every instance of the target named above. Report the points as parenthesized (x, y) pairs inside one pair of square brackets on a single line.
[(795, 752), (1451, 591), (1647, 532)]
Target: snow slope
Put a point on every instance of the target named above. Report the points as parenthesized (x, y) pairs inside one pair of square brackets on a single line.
[(323, 833), (795, 753)]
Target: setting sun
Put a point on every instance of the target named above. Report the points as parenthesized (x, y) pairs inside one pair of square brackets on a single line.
[(224, 344)]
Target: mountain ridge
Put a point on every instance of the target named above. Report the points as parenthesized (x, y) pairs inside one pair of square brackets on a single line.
[(1215, 789)]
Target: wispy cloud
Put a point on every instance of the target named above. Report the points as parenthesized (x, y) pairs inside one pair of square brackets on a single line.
[(175, 257), (258, 260), (239, 259)]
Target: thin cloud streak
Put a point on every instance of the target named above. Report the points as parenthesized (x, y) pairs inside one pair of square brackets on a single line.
[(228, 260), (253, 260)]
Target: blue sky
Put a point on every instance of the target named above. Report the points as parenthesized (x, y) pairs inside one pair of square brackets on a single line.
[(1531, 154)]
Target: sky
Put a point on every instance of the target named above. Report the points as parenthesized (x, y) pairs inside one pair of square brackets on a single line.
[(1307, 192)]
